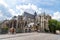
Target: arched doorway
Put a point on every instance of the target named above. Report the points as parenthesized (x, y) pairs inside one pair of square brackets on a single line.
[(36, 28)]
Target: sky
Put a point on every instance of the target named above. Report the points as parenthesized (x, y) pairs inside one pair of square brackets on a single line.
[(10, 8)]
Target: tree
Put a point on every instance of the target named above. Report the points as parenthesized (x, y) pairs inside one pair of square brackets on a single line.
[(58, 26), (52, 25)]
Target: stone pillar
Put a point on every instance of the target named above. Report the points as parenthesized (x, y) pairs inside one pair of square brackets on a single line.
[(17, 25)]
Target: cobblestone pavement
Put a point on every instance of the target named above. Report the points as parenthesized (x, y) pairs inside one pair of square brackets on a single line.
[(30, 36)]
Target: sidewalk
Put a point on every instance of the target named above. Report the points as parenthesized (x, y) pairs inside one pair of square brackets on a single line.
[(4, 36), (30, 36)]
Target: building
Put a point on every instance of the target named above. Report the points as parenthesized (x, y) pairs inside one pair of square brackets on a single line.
[(29, 22), (42, 21), (28, 17)]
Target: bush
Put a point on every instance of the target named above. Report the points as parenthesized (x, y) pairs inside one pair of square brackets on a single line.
[(18, 30), (4, 30), (52, 29)]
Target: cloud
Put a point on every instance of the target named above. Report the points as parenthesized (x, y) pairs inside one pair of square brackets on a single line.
[(1, 14), (23, 0), (3, 3), (4, 14), (47, 2), (15, 8), (56, 15), (2, 17), (12, 12), (29, 8), (42, 2)]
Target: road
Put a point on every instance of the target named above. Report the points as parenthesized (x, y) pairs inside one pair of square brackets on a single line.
[(30, 36)]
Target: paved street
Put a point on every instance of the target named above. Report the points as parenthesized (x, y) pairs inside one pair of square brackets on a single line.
[(30, 36)]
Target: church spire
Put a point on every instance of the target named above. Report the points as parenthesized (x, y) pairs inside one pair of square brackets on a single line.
[(35, 14)]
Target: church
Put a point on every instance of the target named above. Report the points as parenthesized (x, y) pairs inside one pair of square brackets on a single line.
[(28, 22)]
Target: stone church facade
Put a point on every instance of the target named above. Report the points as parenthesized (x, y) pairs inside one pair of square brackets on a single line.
[(28, 22)]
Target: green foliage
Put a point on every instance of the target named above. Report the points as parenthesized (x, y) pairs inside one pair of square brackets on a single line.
[(4, 30), (58, 26), (19, 30), (53, 25)]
